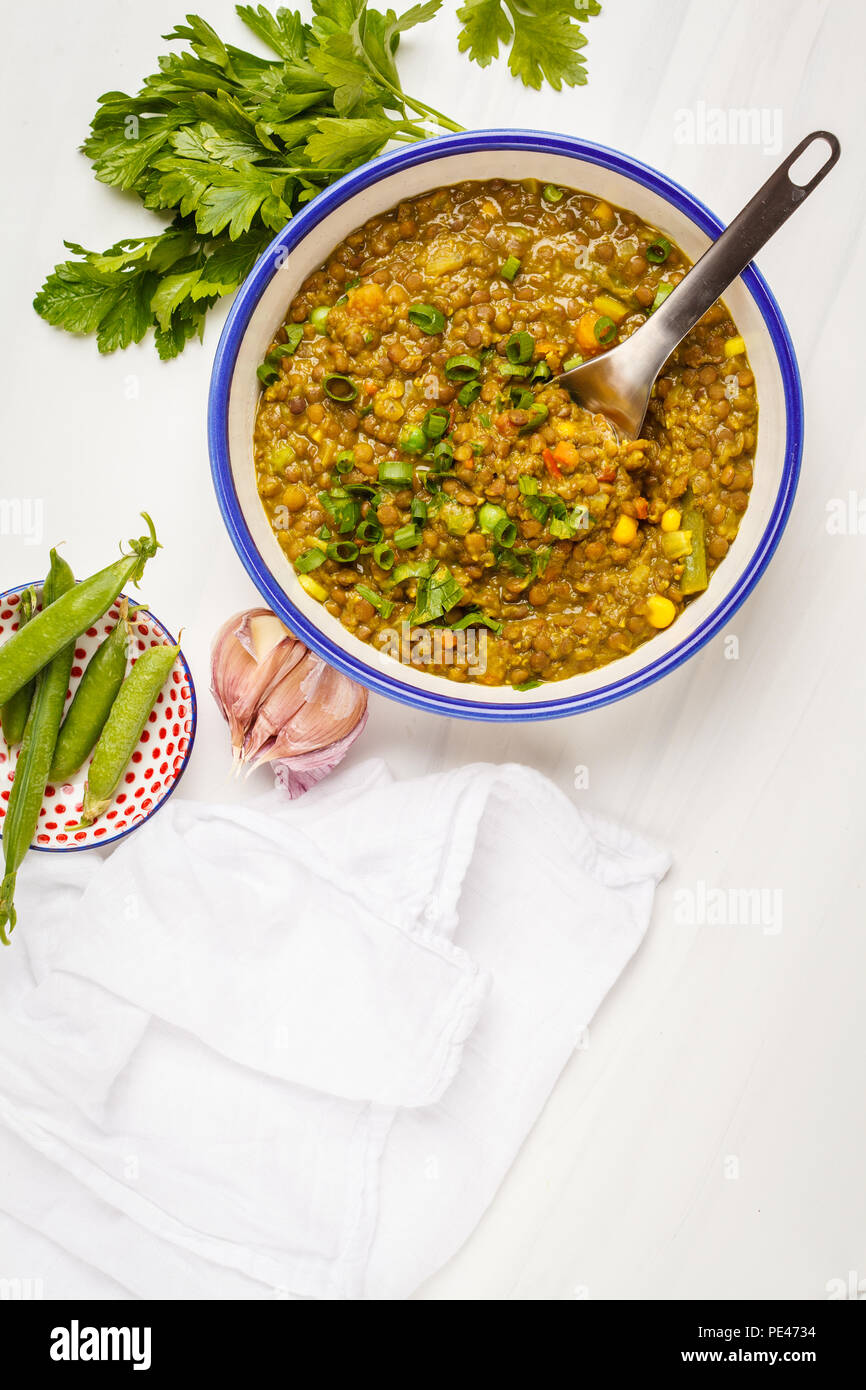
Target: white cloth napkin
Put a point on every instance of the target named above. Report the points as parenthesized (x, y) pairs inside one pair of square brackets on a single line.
[(292, 1048)]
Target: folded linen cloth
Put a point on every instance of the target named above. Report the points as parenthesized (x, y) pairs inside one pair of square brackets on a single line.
[(238, 1051)]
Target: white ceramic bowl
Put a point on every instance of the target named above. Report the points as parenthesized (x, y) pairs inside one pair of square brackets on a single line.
[(305, 243)]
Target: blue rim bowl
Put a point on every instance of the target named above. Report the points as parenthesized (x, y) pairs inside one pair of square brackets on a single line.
[(307, 240)]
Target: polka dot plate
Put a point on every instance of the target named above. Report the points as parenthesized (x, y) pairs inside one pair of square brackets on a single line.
[(156, 766)]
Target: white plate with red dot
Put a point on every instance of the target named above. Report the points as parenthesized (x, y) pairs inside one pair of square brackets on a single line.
[(158, 762)]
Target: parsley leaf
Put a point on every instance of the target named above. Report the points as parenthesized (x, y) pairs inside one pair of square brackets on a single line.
[(228, 145), (545, 37)]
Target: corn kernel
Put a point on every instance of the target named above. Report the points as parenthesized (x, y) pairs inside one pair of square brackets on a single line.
[(660, 612), (734, 347), (671, 519), (625, 530), (312, 587)]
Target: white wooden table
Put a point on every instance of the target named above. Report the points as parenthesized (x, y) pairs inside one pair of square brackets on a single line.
[(709, 1140)]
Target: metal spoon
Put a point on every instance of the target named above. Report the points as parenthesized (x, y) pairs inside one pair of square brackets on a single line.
[(618, 383)]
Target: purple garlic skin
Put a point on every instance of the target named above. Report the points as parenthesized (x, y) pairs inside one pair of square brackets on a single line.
[(296, 775)]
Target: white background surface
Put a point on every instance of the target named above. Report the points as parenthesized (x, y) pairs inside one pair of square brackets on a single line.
[(724, 1049)]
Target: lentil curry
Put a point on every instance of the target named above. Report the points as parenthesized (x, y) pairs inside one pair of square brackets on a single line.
[(417, 469)]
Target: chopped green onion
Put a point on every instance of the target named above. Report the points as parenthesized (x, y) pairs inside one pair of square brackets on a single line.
[(540, 372), (369, 531), (310, 560), (469, 393), (551, 194), (344, 511), (413, 440), (462, 368), (537, 416), (407, 537), (527, 685), (528, 485), (426, 317), (268, 371), (411, 570), (294, 337), (484, 420), (658, 251), (521, 398), (605, 330), (571, 362), (509, 268), (418, 510), (319, 318), (661, 295), (383, 556), (505, 532), (520, 347), (537, 508), (443, 456), (395, 471), (345, 461), (342, 551), (475, 618), (437, 594), (339, 388), (435, 422), (383, 606)]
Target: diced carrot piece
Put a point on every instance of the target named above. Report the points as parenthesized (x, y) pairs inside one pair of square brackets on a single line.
[(641, 507), (550, 460), (585, 331), (566, 453)]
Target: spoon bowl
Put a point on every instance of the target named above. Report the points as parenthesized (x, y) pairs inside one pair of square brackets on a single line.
[(618, 384)]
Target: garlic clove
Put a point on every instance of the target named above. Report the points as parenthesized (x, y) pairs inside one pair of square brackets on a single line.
[(282, 703), (332, 706), (284, 699), (239, 682), (261, 632)]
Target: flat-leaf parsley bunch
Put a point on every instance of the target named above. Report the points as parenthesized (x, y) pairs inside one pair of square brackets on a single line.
[(231, 145)]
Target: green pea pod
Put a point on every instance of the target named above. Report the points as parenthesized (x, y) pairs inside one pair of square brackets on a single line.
[(92, 701), (694, 577), (37, 750), (13, 715), (123, 728), (28, 649)]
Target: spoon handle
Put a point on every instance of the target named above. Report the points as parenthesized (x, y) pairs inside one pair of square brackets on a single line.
[(735, 248)]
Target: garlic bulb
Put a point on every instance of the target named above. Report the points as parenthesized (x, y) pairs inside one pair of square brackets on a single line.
[(283, 704)]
